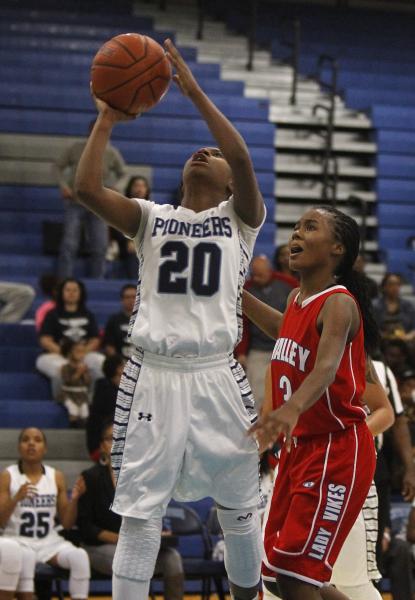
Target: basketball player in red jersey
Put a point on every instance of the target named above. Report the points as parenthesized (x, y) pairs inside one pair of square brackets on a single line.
[(318, 377)]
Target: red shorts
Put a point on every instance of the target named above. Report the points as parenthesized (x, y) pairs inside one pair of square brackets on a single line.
[(318, 493)]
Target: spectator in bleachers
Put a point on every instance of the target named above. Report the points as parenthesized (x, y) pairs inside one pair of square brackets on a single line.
[(76, 381), (70, 319), (32, 494), (137, 187), (15, 301), (406, 380), (17, 565), (48, 283), (103, 403), (99, 526), (76, 216), (254, 350), (116, 329), (395, 315), (397, 355), (371, 285), (281, 267)]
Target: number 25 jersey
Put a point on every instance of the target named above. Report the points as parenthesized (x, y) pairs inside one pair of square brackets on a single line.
[(34, 518), (192, 267), (293, 359)]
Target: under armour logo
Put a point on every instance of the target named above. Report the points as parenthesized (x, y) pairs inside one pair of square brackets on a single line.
[(244, 517), (308, 484), (142, 416)]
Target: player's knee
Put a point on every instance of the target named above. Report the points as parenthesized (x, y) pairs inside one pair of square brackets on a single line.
[(77, 561), (10, 564), (243, 546), (27, 574), (171, 563), (137, 548), (243, 593)]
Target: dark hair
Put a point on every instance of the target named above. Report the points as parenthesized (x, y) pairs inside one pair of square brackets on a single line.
[(111, 364), (276, 258), (387, 276), (66, 346), (48, 283), (346, 231), (106, 423), (125, 287), (21, 434), (59, 294), (131, 182)]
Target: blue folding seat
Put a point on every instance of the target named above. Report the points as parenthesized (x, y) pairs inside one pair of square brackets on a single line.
[(19, 243), (363, 98), (402, 261)]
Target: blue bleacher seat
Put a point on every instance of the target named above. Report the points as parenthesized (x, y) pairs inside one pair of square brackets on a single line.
[(396, 215), (33, 413), (22, 360), (24, 386), (395, 238), (388, 116), (396, 165), (396, 141), (16, 334), (395, 190)]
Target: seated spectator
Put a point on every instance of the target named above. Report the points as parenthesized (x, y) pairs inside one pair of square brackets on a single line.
[(103, 403), (76, 380), (281, 267), (406, 381), (70, 319), (99, 526), (137, 187), (394, 315), (255, 348), (371, 285), (17, 565), (397, 355), (48, 283), (15, 301), (32, 494), (116, 330)]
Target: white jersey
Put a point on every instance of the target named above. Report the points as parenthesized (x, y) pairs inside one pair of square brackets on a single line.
[(33, 518), (192, 267)]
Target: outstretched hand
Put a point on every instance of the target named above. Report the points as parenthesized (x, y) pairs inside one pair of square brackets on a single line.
[(269, 428), (183, 76), (112, 114)]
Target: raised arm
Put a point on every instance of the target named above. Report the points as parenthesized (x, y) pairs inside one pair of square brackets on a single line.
[(117, 210), (265, 317), (248, 202)]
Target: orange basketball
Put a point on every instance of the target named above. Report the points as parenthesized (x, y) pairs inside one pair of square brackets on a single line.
[(131, 73)]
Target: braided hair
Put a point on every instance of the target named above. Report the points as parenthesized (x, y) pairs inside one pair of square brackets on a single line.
[(346, 231)]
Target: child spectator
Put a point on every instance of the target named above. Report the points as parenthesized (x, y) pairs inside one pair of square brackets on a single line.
[(76, 382)]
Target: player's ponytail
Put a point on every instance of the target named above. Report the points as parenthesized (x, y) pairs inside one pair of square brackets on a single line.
[(347, 232)]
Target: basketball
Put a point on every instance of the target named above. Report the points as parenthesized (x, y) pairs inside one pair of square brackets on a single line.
[(131, 73)]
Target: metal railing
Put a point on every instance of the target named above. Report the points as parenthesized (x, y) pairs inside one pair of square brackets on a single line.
[(329, 165), (357, 201)]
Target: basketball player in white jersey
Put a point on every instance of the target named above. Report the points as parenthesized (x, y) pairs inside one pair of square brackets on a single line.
[(184, 403), (31, 495)]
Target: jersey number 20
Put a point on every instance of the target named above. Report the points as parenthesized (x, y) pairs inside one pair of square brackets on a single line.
[(205, 274)]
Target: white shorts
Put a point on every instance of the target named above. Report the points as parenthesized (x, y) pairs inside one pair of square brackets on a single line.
[(180, 431), (356, 563), (45, 548)]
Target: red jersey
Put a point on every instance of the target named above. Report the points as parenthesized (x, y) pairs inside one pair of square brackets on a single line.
[(294, 356)]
